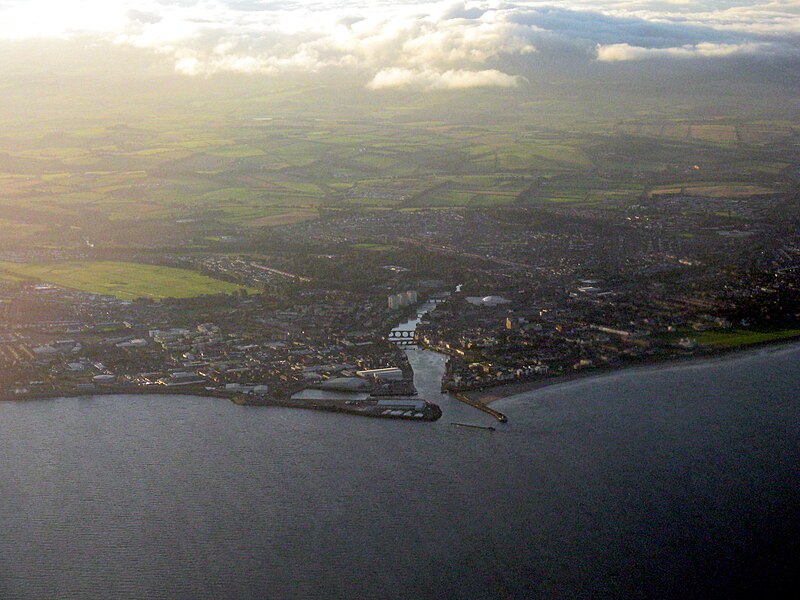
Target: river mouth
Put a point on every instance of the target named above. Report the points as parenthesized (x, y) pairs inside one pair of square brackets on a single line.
[(429, 369)]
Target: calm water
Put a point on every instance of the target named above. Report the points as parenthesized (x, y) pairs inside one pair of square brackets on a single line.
[(680, 482)]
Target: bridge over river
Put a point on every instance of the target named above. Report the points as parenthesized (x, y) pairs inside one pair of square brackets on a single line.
[(403, 336)]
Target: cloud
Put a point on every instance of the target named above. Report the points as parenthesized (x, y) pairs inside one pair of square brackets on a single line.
[(625, 52), (450, 47), (460, 10), (396, 77), (411, 43)]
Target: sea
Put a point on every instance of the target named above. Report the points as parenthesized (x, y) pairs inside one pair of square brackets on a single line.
[(677, 481)]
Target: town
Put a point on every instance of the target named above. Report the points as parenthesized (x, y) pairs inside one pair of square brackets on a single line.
[(524, 294)]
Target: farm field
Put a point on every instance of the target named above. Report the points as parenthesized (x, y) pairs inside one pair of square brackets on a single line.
[(284, 217), (710, 131), (729, 190), (248, 159), (126, 281), (735, 338)]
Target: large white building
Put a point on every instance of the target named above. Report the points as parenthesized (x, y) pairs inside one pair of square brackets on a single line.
[(390, 374)]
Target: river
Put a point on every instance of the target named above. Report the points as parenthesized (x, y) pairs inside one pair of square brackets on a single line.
[(429, 368), (675, 481)]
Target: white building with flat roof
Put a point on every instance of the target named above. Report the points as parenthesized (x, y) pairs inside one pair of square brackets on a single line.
[(389, 374)]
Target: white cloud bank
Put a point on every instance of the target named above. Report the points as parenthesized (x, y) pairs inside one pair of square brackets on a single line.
[(396, 77), (409, 43), (624, 52)]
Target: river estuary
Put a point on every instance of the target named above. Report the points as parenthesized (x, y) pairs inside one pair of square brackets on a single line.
[(679, 481), (429, 369)]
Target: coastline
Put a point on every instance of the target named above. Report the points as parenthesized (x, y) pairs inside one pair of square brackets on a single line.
[(475, 397), (502, 392), (127, 391), (431, 412)]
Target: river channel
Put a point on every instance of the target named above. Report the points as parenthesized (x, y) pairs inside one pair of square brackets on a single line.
[(429, 368)]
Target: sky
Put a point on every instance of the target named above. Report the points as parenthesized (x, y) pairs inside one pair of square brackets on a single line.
[(413, 44)]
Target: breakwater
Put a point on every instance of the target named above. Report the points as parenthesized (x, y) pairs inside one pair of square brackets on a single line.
[(480, 406)]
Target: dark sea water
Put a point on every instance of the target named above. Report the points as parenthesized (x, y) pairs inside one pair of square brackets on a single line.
[(681, 481)]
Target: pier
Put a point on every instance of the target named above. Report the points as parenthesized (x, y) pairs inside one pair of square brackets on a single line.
[(480, 406), (470, 426)]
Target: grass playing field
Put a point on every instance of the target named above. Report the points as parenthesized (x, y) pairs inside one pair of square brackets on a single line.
[(734, 338), (121, 279)]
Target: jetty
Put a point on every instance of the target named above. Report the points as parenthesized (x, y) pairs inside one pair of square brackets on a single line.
[(471, 426), (480, 406)]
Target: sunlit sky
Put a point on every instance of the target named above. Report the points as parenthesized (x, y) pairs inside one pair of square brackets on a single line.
[(410, 43)]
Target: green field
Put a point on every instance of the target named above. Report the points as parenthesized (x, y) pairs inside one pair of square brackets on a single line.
[(126, 281), (134, 168), (735, 338), (6, 277), (375, 247), (728, 190)]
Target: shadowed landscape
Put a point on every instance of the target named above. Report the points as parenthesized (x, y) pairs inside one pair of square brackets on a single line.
[(413, 212)]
